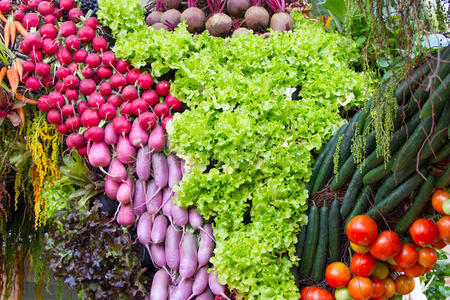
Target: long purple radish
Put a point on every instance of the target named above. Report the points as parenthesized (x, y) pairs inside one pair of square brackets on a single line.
[(206, 247), (153, 198), (138, 137), (159, 229), (117, 171), (160, 172), (143, 163), (195, 219), (200, 281), (215, 286), (111, 188), (188, 255), (167, 202), (206, 295), (158, 255), (180, 215), (126, 153), (110, 136), (144, 230), (160, 286), (156, 140), (183, 290), (174, 165), (139, 198), (172, 247), (126, 191)]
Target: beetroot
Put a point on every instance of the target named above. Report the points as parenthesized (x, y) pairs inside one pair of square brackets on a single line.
[(67, 28), (87, 86), (281, 20), (257, 17), (151, 97), (30, 20), (171, 18), (160, 26), (86, 34), (147, 120), (99, 44), (5, 6), (237, 8), (168, 4), (49, 47), (45, 8), (219, 24), (91, 22), (72, 94), (75, 14), (90, 118), (48, 31), (194, 18), (145, 81), (153, 18), (240, 30), (122, 66), (73, 42), (96, 100), (93, 60)]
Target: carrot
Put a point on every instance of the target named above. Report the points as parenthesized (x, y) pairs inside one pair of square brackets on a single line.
[(2, 17), (13, 79), (6, 34), (20, 29), (19, 67), (21, 97), (12, 32), (2, 74), (21, 114)]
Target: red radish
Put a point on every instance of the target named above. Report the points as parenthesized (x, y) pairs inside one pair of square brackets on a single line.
[(99, 44), (49, 47), (115, 100), (121, 125), (93, 60), (75, 14), (96, 100), (109, 59), (75, 141), (73, 67), (97, 79), (67, 110), (194, 17), (43, 104), (157, 140), (162, 88), (117, 171), (86, 34), (58, 13), (91, 22), (62, 128), (165, 121), (257, 17), (111, 188), (73, 42), (81, 107), (133, 75), (25, 48), (59, 87), (138, 136), (99, 155), (33, 84), (110, 135), (143, 163), (33, 4), (33, 40), (107, 111), (82, 151), (54, 117), (5, 6), (145, 81), (28, 66), (18, 15), (151, 97), (62, 72), (118, 81), (104, 72), (45, 8), (64, 56), (87, 72), (129, 93), (90, 118), (94, 134), (105, 88), (80, 56), (72, 94), (22, 7), (125, 216), (87, 86), (147, 120), (126, 153), (173, 103), (67, 28), (71, 81), (161, 110), (67, 4), (280, 20), (138, 106), (36, 55), (30, 20), (122, 66), (126, 108), (48, 31), (50, 19), (47, 81)]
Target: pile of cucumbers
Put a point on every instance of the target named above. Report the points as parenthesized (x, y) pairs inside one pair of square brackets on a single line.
[(376, 187)]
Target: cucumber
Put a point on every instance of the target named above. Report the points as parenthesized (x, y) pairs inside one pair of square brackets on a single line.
[(378, 173), (437, 98), (396, 197), (320, 259), (442, 154), (344, 148), (362, 117), (301, 240), (312, 235), (394, 180), (334, 233), (444, 179), (318, 163), (362, 203), (327, 164), (422, 198), (349, 167), (352, 192), (439, 137)]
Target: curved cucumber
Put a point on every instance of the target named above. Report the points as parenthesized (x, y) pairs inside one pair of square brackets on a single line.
[(320, 259), (318, 163), (334, 232), (442, 154), (378, 173), (362, 203), (352, 192), (312, 235), (394, 180), (344, 147), (437, 98)]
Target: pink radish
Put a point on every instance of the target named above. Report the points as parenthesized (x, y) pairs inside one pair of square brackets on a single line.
[(126, 191), (162, 88), (172, 249), (86, 34), (117, 171), (133, 75), (94, 134), (93, 60), (67, 28), (49, 47), (157, 140), (99, 44), (107, 111), (195, 219), (91, 22), (162, 110), (159, 230), (80, 56), (110, 136), (167, 202), (121, 125), (48, 81), (73, 123), (87, 72), (87, 86), (158, 254), (90, 118), (206, 246), (183, 290), (72, 94), (188, 256), (138, 136), (180, 215), (125, 216), (143, 163), (200, 281), (160, 286), (153, 198), (48, 31), (98, 155), (147, 120), (95, 99), (75, 141), (122, 66), (151, 97), (144, 229), (115, 100), (126, 153), (206, 295), (139, 198), (111, 188), (54, 117), (118, 81)]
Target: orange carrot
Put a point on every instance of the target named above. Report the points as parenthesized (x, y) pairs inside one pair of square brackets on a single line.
[(6, 34), (13, 79), (22, 98), (2, 17), (2, 74), (20, 29), (21, 114), (19, 67), (12, 32)]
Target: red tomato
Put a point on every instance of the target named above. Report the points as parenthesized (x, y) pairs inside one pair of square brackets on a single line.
[(407, 256), (360, 288), (427, 257), (362, 230), (414, 271), (443, 226), (337, 275), (386, 245), (438, 199), (315, 293), (423, 232), (439, 244), (389, 287), (397, 268), (362, 264), (404, 285), (378, 288)]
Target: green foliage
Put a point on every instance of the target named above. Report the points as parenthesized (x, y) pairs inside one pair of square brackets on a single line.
[(434, 281)]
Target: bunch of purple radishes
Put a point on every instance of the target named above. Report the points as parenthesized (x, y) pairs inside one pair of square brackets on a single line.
[(256, 17)]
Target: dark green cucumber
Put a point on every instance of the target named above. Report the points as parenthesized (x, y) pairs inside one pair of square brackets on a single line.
[(378, 173), (301, 240), (439, 137), (348, 168), (320, 259), (327, 164), (437, 99), (334, 233), (444, 179), (442, 154), (362, 117), (312, 236), (352, 192), (394, 180), (396, 197), (421, 200), (344, 147), (362, 203)]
